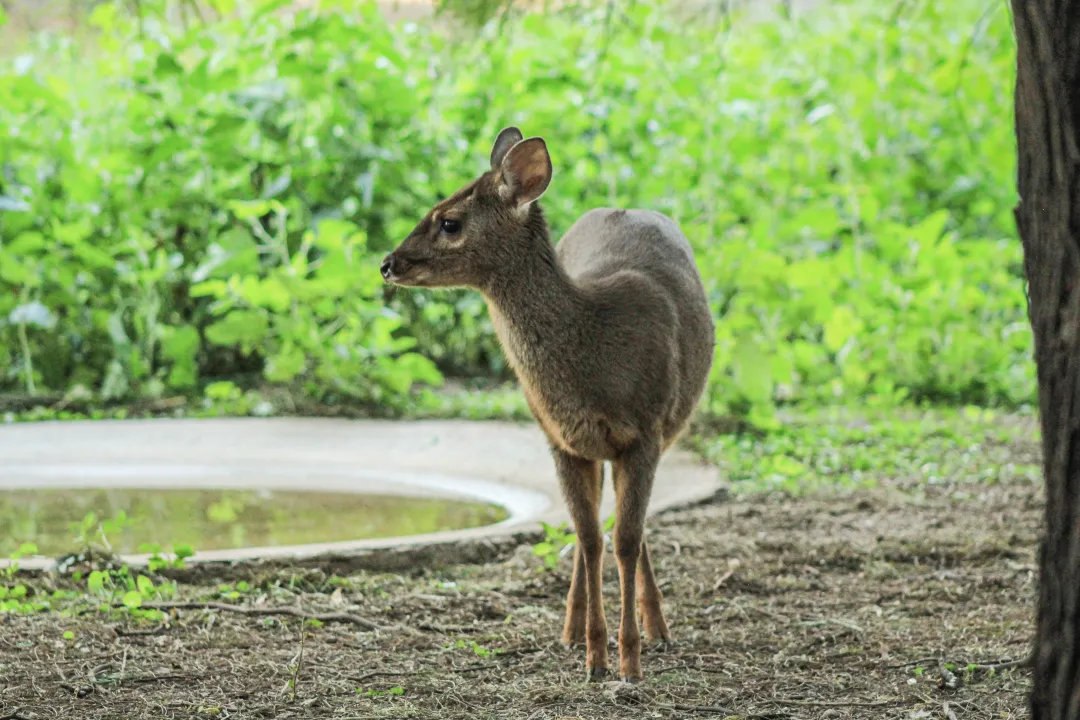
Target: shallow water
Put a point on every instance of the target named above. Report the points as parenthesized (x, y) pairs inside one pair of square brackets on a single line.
[(219, 519)]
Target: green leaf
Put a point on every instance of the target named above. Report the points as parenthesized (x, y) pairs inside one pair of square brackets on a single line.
[(544, 548), (240, 327), (95, 582), (930, 229), (332, 234), (221, 512), (270, 293), (145, 585), (841, 327), (249, 210), (285, 365), (133, 599), (181, 346), (167, 64), (24, 550), (752, 371)]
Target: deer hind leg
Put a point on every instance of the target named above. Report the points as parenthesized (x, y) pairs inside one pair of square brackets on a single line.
[(649, 598), (634, 471), (580, 481), (576, 599)]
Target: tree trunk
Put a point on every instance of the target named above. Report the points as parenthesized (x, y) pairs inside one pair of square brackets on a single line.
[(1048, 219)]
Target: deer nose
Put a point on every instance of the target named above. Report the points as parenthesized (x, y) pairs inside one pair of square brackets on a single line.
[(387, 267)]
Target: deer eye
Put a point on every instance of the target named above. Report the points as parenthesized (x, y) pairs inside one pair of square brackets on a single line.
[(449, 226)]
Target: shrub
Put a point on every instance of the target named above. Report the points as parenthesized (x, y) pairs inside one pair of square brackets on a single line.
[(186, 203)]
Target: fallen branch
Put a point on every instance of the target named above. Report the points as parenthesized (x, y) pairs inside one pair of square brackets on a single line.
[(825, 703), (341, 617), (732, 566), (1002, 665), (993, 665)]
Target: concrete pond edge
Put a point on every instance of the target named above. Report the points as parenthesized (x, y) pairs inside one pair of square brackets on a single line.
[(500, 462)]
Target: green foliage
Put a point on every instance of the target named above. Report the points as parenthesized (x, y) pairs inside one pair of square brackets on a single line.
[(212, 201), (13, 595), (476, 648), (160, 561), (127, 592), (556, 539), (198, 203)]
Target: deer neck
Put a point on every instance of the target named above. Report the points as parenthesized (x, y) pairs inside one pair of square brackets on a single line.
[(537, 311)]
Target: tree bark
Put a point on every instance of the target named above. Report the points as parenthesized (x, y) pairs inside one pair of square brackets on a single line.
[(1048, 219)]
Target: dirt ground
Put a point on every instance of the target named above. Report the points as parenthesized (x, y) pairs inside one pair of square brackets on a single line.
[(836, 606)]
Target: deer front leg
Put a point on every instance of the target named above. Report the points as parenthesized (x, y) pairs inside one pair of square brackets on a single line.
[(578, 478), (634, 471), (576, 599)]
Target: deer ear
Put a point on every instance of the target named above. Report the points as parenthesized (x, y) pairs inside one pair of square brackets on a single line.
[(526, 171), (508, 137)]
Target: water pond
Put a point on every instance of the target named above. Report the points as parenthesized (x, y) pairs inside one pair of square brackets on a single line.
[(220, 519)]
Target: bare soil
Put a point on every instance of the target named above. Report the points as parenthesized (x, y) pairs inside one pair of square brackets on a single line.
[(837, 606)]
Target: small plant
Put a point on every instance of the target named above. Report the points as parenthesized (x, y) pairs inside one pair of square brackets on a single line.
[(158, 561), (14, 597), (372, 693), (13, 566), (477, 649), (555, 540), (231, 592), (93, 536), (127, 591)]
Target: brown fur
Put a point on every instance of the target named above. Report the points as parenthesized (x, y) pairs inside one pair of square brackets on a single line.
[(611, 337)]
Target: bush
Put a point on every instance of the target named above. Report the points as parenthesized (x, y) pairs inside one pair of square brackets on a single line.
[(193, 203)]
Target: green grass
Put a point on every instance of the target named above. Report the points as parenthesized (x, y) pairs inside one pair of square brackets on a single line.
[(848, 448)]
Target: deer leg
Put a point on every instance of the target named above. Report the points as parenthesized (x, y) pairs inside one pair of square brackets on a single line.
[(649, 597), (576, 599), (577, 478), (634, 471)]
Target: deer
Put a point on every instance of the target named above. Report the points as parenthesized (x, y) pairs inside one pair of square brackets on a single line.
[(611, 338)]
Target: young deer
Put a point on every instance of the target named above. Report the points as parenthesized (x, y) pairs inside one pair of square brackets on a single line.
[(611, 337)]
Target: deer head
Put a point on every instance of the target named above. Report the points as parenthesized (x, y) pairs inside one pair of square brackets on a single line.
[(483, 227)]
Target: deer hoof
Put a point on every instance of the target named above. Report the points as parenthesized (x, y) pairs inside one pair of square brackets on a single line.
[(597, 674)]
